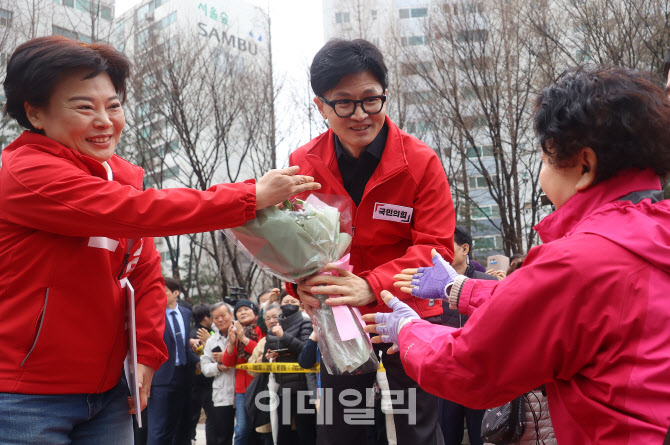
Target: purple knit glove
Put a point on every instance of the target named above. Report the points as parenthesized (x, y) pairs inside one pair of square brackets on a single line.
[(431, 282), (392, 322)]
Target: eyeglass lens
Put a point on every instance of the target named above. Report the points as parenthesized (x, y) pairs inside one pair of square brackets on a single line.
[(370, 105)]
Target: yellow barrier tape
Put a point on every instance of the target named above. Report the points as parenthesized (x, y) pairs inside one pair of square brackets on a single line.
[(292, 368)]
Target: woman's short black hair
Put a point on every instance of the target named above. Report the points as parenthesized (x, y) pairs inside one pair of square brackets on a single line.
[(619, 113), (339, 58), (36, 67)]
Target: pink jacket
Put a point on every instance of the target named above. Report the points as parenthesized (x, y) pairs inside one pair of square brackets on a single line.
[(587, 315)]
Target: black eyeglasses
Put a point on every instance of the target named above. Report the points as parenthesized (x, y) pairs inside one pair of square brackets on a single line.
[(347, 107)]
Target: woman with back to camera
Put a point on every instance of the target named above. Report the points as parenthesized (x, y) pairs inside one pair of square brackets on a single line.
[(587, 315), (74, 228)]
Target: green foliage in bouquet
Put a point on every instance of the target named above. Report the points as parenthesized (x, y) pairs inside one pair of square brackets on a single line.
[(295, 241)]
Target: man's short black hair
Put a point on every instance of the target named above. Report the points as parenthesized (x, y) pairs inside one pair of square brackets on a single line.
[(621, 114), (339, 58), (462, 236), (201, 311), (172, 284)]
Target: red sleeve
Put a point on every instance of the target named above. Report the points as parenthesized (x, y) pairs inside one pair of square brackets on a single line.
[(60, 198), (433, 224), (291, 290), (147, 281), (229, 360), (536, 327), (249, 348)]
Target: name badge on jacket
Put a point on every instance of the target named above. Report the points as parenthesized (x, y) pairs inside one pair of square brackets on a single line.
[(392, 212)]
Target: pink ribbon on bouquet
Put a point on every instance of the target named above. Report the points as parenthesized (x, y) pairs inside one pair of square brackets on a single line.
[(345, 322)]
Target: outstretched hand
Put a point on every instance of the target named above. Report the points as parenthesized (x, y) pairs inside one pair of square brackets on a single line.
[(427, 282), (279, 185), (389, 324)]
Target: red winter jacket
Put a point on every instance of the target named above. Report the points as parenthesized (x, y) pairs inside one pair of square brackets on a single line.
[(587, 315), (410, 175), (64, 232), (242, 377)]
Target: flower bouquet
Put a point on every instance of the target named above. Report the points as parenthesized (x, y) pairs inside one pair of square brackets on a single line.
[(296, 241)]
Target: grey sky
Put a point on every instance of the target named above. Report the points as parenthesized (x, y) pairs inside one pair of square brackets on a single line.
[(297, 33)]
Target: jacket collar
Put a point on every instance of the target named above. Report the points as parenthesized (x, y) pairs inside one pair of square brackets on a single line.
[(322, 156), (586, 202), (92, 166)]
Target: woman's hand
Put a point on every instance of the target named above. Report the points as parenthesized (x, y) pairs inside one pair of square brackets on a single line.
[(499, 274), (240, 333), (144, 376), (314, 336), (271, 355), (217, 356), (427, 282), (279, 185), (389, 324)]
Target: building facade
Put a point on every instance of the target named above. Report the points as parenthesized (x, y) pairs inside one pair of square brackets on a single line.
[(199, 113)]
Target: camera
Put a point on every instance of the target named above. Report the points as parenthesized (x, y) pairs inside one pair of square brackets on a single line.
[(236, 293)]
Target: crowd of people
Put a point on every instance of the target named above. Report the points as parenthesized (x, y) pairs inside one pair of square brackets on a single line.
[(581, 318)]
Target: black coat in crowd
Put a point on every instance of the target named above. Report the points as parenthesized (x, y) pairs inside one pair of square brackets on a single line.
[(297, 329)]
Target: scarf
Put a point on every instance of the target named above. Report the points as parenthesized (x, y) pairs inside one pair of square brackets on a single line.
[(250, 333)]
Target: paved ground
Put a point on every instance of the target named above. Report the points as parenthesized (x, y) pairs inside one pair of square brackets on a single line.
[(200, 435)]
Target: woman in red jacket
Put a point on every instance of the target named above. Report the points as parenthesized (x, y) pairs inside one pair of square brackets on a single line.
[(75, 228), (243, 336), (588, 314)]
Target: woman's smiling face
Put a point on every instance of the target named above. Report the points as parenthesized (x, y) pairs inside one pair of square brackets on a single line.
[(84, 115)]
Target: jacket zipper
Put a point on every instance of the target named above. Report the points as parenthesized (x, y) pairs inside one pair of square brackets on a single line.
[(39, 328), (381, 181)]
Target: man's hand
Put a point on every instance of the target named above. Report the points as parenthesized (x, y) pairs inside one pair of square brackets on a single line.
[(427, 282), (232, 335), (217, 356), (309, 301), (203, 334), (193, 343), (389, 324), (278, 331), (271, 355), (279, 185), (144, 376), (354, 291)]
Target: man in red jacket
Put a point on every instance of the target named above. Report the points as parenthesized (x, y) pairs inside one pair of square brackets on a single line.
[(401, 207)]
